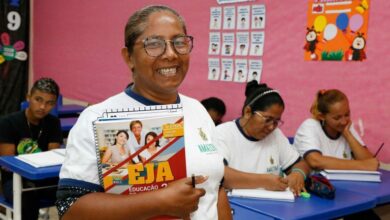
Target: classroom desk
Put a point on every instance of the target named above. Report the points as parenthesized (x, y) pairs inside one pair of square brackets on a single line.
[(346, 202), (67, 123), (381, 191), (70, 110), (243, 213), (21, 169)]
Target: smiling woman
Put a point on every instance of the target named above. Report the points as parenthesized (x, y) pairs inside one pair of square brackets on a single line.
[(158, 53), (329, 140), (158, 67)]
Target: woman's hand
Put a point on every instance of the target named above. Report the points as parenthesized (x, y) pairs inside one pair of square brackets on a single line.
[(275, 183), (346, 130), (296, 183), (182, 198), (371, 164)]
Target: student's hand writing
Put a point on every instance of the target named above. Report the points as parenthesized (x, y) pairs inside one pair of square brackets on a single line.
[(296, 183), (275, 183), (182, 198)]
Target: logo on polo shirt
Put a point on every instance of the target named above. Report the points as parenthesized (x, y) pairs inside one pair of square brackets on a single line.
[(202, 134), (271, 160)]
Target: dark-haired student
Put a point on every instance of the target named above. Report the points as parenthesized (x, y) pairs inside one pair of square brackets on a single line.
[(216, 108), (328, 140), (254, 144), (29, 131)]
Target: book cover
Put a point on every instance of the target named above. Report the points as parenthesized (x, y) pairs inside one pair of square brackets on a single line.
[(141, 149), (352, 175)]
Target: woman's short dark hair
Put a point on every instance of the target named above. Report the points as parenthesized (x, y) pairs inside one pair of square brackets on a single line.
[(137, 23), (214, 103), (259, 97)]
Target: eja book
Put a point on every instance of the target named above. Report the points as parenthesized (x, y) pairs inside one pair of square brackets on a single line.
[(143, 167)]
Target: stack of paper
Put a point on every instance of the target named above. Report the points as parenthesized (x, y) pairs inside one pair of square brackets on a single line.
[(352, 175), (260, 193), (44, 159)]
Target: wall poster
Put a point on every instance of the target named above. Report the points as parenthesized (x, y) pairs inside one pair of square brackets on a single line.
[(336, 30)]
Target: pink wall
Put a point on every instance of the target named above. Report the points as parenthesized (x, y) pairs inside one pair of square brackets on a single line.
[(78, 44)]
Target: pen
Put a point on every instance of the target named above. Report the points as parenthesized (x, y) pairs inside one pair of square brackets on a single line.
[(380, 148), (193, 180)]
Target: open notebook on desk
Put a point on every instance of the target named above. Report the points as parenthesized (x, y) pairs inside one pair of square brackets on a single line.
[(352, 175), (260, 193), (44, 159)]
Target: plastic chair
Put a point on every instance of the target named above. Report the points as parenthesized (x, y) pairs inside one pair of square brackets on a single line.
[(43, 212), (8, 209)]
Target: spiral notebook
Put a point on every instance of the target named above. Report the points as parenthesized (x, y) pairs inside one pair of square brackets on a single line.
[(149, 164)]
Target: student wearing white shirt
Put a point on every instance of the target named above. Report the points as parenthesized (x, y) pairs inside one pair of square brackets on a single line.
[(328, 140), (253, 143)]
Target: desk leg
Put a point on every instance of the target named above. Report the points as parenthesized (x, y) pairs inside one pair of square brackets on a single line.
[(17, 185)]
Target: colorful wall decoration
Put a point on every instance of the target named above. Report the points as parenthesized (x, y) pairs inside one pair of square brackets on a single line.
[(336, 30), (14, 28)]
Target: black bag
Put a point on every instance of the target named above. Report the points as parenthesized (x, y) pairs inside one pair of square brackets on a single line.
[(320, 186)]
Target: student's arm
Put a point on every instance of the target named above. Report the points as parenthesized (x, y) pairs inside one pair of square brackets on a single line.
[(223, 205), (318, 161), (235, 179), (107, 155), (53, 145), (7, 149), (178, 199), (359, 152)]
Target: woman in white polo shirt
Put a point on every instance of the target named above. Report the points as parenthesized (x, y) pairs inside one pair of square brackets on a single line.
[(253, 143), (328, 140)]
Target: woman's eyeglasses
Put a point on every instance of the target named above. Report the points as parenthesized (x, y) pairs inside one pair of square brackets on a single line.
[(155, 47), (270, 121)]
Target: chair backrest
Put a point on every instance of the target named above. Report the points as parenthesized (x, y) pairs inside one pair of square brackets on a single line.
[(59, 100), (54, 111)]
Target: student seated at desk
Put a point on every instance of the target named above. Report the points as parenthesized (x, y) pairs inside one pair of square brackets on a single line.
[(216, 109), (29, 131), (253, 143), (328, 140)]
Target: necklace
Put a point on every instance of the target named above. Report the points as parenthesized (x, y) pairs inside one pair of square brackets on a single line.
[(31, 131)]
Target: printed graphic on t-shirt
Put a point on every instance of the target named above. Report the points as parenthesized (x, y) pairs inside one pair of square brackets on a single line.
[(28, 146)]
